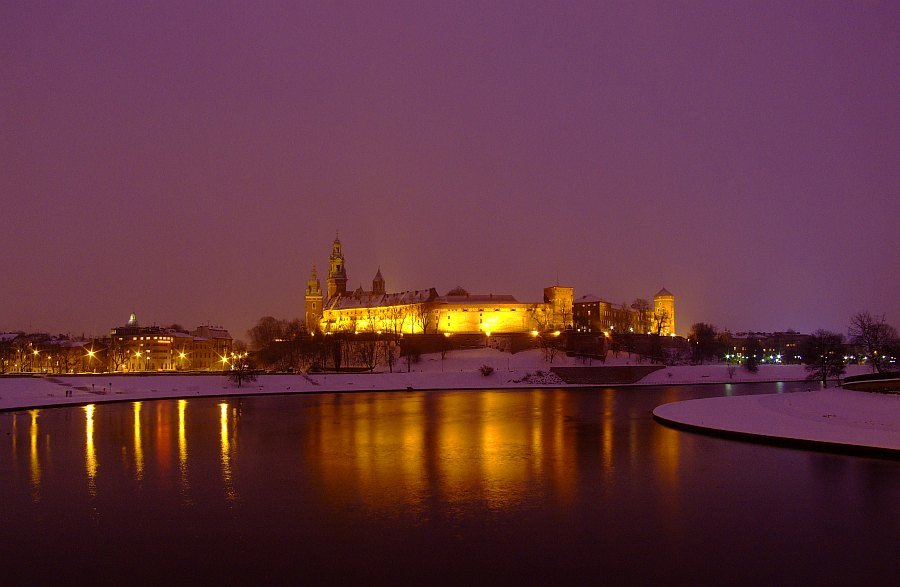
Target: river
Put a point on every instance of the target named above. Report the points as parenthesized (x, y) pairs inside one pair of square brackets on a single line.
[(535, 486)]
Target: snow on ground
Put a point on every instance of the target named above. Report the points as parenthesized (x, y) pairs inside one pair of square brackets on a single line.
[(459, 370), (833, 416), (719, 373)]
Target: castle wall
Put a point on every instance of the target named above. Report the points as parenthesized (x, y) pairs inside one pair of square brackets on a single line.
[(443, 317)]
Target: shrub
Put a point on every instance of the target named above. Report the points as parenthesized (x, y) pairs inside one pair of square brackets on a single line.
[(241, 374), (751, 363), (486, 370)]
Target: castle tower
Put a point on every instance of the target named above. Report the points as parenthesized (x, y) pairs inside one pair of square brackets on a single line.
[(337, 272), (313, 301), (559, 300), (664, 308), (378, 284)]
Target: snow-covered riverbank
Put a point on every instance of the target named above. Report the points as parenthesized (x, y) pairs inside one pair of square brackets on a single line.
[(458, 370), (834, 418)]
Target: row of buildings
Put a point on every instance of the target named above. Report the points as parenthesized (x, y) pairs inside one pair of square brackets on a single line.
[(128, 349), (459, 312)]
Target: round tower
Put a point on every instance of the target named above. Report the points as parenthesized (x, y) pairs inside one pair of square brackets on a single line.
[(664, 312)]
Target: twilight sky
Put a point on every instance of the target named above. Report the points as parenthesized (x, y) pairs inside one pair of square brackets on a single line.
[(189, 161)]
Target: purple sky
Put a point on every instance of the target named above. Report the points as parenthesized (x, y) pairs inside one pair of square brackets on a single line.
[(190, 161)]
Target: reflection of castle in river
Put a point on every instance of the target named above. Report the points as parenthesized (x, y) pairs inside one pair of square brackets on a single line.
[(424, 311)]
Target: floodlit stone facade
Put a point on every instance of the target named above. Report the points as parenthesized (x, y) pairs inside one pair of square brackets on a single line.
[(425, 311), (664, 313)]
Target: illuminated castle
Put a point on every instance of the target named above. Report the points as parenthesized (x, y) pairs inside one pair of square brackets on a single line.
[(593, 315), (664, 312), (424, 311)]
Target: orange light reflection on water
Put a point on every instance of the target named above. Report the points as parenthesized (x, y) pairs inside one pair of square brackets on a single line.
[(90, 456), (138, 445), (667, 447), (34, 458), (456, 447), (608, 423), (182, 448), (225, 445)]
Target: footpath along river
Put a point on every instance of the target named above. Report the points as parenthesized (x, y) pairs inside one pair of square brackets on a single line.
[(537, 486)]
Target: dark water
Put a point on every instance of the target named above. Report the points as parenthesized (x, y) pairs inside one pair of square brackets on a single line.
[(538, 486)]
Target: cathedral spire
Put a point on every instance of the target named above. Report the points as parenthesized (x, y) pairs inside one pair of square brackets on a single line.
[(313, 301), (378, 283), (313, 286), (337, 271)]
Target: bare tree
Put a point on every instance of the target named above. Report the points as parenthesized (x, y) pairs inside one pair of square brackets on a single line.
[(23, 354), (704, 340), (615, 344), (365, 346), (874, 336), (336, 349), (69, 356), (540, 318), (642, 309), (6, 354), (823, 353), (754, 351), (549, 345), (266, 331), (117, 354), (294, 331), (411, 350), (660, 320), (388, 350), (630, 318), (241, 371), (395, 318), (423, 314), (365, 352)]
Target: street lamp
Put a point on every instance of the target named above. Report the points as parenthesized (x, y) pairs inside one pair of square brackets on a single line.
[(90, 355)]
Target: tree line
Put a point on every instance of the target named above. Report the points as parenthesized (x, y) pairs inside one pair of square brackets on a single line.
[(870, 340), (285, 345)]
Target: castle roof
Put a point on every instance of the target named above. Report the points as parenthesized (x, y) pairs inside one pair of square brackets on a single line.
[(366, 299), (588, 299), (664, 293), (478, 298)]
